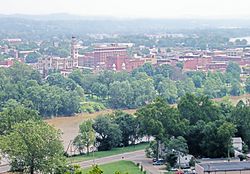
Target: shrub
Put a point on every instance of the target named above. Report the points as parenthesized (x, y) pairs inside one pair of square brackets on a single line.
[(91, 107)]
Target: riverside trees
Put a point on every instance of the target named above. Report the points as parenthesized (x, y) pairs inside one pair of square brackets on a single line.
[(203, 125), (33, 146), (58, 95), (200, 124), (30, 144)]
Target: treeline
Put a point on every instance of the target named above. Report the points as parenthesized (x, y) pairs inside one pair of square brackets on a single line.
[(51, 97), (58, 95), (197, 126), (31, 145), (122, 90)]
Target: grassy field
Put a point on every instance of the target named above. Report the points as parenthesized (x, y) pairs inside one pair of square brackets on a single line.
[(122, 166), (114, 151)]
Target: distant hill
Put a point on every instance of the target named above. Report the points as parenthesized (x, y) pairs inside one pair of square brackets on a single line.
[(39, 26)]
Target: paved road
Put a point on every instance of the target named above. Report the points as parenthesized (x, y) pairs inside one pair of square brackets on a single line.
[(137, 157), (4, 168)]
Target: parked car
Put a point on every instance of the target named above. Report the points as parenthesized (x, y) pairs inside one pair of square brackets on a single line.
[(160, 159), (159, 162), (179, 172)]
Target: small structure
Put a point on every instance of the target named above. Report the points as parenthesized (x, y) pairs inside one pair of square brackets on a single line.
[(223, 168), (237, 143), (184, 160)]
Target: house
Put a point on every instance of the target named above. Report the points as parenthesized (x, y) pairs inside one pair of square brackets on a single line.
[(223, 168)]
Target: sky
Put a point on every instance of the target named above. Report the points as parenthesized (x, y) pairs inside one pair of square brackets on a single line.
[(131, 8)]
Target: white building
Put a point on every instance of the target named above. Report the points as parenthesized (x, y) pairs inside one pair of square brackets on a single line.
[(237, 143)]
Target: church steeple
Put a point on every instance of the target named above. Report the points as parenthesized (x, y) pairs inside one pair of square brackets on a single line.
[(74, 51)]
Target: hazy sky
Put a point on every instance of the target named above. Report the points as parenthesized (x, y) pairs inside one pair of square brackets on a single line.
[(131, 8)]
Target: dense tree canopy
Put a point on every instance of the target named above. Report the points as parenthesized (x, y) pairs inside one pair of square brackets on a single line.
[(32, 147)]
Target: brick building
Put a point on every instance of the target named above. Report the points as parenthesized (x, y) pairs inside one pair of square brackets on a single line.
[(63, 65), (101, 54)]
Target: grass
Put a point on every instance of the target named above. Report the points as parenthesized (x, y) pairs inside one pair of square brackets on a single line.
[(121, 166), (114, 151)]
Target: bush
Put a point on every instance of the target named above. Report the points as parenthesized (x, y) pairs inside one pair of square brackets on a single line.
[(91, 107)]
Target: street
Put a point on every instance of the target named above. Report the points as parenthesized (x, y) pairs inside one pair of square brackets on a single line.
[(137, 157)]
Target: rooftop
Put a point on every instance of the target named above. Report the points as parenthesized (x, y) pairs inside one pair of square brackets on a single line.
[(225, 166)]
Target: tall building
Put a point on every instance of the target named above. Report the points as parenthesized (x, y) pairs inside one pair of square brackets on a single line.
[(74, 51), (102, 53), (64, 65)]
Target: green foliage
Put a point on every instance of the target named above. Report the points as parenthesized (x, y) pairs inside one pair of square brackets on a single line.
[(128, 125), (86, 136), (24, 85), (171, 159), (32, 57), (151, 149), (197, 108), (235, 90), (108, 133), (248, 85), (95, 170), (168, 90), (234, 69), (14, 112), (119, 167), (240, 117), (178, 144), (91, 107), (37, 147), (121, 94)]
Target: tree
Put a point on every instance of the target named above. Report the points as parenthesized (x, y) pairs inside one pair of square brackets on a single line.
[(147, 68), (86, 136), (234, 69), (167, 90), (62, 82), (235, 90), (216, 139), (248, 85), (176, 147), (143, 92), (128, 125), (37, 147), (185, 86), (226, 132), (165, 70), (159, 120), (95, 170), (197, 81), (99, 89), (121, 95), (241, 118), (13, 113), (195, 108), (214, 87), (32, 57), (109, 134)]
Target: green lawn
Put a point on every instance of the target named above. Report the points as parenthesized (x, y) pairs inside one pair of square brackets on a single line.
[(122, 166), (114, 151)]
